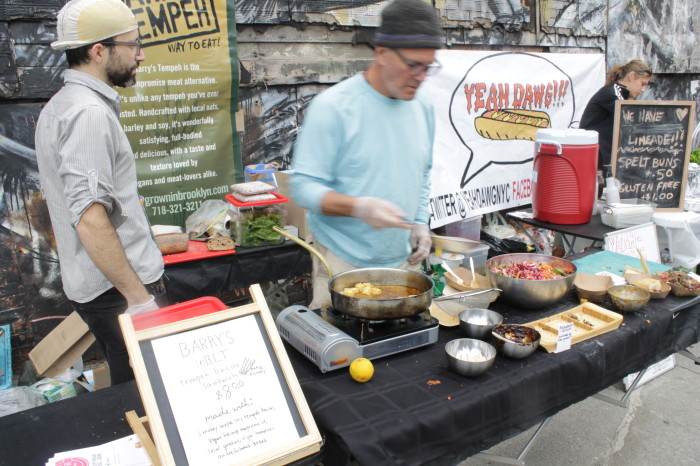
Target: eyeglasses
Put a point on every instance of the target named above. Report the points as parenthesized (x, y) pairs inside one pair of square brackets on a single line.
[(136, 44), (415, 69)]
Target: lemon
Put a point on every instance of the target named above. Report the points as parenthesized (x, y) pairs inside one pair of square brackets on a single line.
[(361, 369)]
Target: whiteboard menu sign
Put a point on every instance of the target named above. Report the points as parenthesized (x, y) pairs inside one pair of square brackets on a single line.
[(217, 385), (630, 241), (226, 368)]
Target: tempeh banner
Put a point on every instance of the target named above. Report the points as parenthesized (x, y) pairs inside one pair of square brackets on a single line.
[(489, 106), (179, 117)]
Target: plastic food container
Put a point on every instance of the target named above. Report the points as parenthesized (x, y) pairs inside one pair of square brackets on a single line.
[(628, 213), (252, 222), (477, 250), (469, 228)]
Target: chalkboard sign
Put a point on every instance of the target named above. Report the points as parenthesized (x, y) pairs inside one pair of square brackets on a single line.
[(651, 150), (218, 388)]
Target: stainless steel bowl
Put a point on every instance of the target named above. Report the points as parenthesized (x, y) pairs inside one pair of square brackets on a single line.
[(516, 341), (628, 298), (478, 323), (469, 357), (531, 294)]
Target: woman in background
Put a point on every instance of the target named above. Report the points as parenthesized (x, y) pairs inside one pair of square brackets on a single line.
[(623, 82)]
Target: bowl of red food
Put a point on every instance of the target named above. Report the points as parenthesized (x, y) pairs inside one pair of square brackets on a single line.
[(531, 281)]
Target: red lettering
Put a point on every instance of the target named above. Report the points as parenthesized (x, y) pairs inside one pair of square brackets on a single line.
[(503, 92), (527, 103), (518, 94), (548, 94)]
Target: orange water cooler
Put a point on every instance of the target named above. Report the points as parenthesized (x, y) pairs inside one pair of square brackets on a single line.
[(564, 175)]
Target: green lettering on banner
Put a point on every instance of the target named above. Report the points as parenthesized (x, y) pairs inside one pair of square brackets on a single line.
[(179, 117)]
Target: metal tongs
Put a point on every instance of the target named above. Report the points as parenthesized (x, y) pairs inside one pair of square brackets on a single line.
[(462, 294)]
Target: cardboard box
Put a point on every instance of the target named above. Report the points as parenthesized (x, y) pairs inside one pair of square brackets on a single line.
[(101, 377), (53, 390), (62, 347), (295, 215)]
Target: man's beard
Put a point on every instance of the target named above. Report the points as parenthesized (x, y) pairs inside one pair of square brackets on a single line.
[(121, 77)]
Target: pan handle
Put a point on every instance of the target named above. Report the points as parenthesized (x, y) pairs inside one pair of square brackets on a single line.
[(307, 246), (463, 294)]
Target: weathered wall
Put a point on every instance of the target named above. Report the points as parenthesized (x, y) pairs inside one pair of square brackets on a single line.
[(289, 50)]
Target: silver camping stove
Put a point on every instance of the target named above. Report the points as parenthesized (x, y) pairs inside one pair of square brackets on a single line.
[(332, 340)]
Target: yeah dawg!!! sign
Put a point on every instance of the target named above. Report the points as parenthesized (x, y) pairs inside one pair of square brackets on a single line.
[(489, 106)]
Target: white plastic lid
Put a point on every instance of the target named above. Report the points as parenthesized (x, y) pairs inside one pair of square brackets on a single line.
[(568, 136)]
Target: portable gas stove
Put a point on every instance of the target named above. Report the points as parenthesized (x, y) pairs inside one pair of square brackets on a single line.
[(332, 340)]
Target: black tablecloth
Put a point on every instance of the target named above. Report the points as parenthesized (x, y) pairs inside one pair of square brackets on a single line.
[(594, 229), (414, 410), (402, 416), (217, 275)]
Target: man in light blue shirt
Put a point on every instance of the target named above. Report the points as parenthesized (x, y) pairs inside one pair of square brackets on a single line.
[(363, 157)]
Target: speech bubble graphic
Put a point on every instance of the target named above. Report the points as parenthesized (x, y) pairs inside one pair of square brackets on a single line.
[(501, 102)]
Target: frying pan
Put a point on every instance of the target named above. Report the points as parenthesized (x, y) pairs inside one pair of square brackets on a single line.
[(367, 308)]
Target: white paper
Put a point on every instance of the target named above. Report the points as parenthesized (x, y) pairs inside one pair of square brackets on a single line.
[(564, 336), (225, 396), (127, 451)]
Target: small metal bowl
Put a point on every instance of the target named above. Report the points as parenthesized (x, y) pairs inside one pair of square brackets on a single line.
[(516, 341), (478, 323), (469, 357), (628, 298)]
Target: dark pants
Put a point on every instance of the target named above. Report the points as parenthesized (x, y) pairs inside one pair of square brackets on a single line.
[(102, 318)]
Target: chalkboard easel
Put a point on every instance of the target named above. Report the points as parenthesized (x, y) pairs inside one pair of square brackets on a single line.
[(651, 150), (217, 385)]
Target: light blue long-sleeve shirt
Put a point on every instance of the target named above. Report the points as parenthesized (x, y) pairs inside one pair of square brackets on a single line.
[(358, 142)]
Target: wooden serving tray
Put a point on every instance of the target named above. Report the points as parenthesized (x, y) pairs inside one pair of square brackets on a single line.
[(590, 320)]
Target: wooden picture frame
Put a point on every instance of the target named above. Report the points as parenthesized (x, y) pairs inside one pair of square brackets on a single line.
[(217, 385), (651, 149)]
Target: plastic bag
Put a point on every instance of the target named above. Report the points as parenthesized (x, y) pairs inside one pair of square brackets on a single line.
[(16, 399), (499, 246), (496, 227), (211, 219), (72, 373)]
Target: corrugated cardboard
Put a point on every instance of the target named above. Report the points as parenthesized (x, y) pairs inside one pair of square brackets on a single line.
[(295, 215), (62, 347), (101, 377)]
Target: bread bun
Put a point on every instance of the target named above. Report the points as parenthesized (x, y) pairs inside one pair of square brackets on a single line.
[(511, 124), (220, 243), (172, 243)]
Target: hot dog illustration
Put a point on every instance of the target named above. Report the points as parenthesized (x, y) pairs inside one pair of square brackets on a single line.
[(511, 123)]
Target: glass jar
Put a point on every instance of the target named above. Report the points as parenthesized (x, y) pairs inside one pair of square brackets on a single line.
[(252, 222)]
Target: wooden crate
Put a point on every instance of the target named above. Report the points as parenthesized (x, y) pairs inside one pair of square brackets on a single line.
[(590, 320)]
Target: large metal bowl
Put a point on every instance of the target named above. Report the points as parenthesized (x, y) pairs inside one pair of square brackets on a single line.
[(531, 294), (381, 309)]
